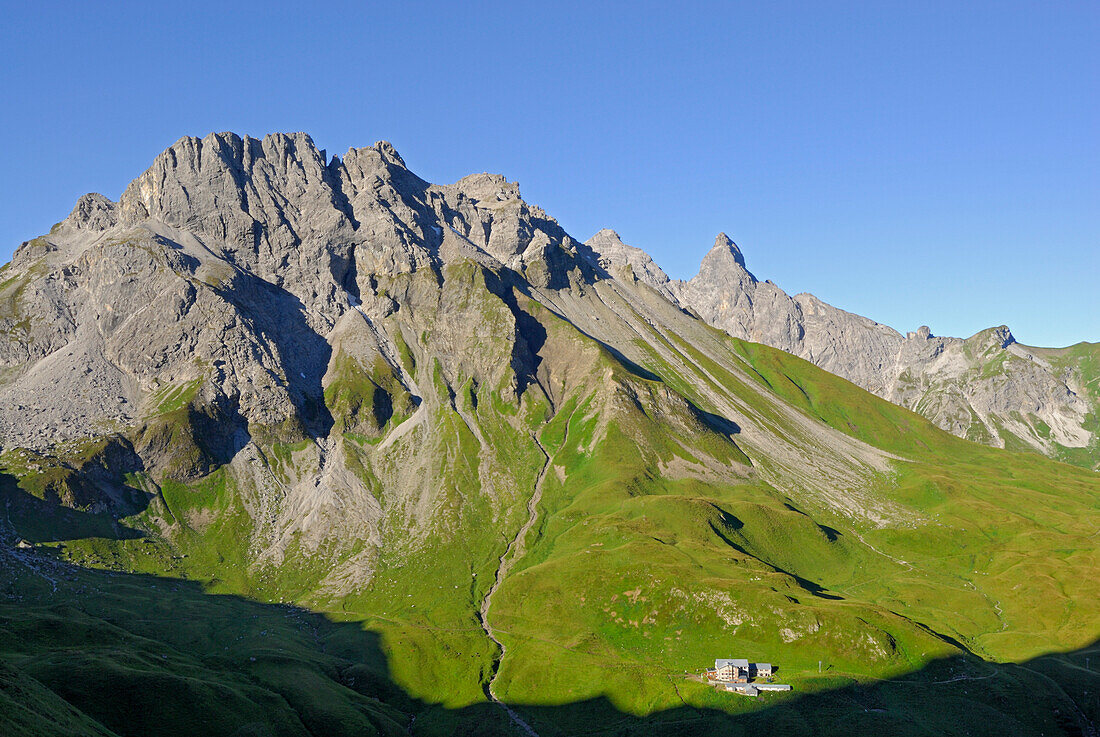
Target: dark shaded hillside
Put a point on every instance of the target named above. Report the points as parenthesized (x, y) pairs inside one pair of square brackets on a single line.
[(86, 652)]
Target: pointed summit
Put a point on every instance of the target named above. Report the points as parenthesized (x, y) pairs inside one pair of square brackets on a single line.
[(94, 212), (724, 245), (604, 239), (389, 152), (723, 264)]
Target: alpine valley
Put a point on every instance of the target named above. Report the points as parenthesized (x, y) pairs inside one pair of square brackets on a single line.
[(300, 445)]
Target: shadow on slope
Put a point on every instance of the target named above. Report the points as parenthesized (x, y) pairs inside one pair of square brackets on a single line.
[(92, 652), (44, 520), (278, 318), (277, 321)]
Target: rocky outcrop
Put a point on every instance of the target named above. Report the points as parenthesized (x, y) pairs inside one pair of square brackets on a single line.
[(627, 262)]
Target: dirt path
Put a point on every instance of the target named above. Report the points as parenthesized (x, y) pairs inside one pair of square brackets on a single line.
[(515, 551)]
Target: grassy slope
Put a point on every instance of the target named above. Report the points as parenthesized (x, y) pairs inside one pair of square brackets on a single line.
[(138, 655), (1002, 563), (1013, 529), (663, 573)]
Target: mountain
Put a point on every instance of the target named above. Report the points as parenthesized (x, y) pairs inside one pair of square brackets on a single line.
[(293, 444), (986, 388)]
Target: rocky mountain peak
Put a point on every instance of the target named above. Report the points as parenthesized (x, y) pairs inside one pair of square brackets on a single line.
[(922, 333), (604, 238), (387, 151), (272, 247), (724, 262), (609, 251), (982, 387), (219, 177), (279, 209), (93, 211), (999, 337), (724, 251), (487, 188), (380, 161), (1004, 335)]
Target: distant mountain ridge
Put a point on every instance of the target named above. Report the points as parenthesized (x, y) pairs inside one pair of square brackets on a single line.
[(987, 387)]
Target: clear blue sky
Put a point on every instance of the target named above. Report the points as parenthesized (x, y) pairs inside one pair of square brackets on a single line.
[(916, 162)]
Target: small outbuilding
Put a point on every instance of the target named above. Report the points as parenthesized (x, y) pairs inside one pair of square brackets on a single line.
[(772, 686), (761, 670), (745, 689)]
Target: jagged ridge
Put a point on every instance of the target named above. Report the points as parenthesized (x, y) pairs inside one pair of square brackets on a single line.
[(986, 388)]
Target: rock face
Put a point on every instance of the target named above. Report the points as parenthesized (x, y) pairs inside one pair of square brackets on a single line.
[(229, 260), (986, 388)]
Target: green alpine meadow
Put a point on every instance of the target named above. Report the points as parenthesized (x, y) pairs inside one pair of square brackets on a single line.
[(294, 444)]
